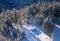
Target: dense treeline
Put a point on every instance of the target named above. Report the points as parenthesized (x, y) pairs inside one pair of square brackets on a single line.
[(37, 14)]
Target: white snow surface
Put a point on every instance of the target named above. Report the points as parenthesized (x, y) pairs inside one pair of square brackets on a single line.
[(41, 37)]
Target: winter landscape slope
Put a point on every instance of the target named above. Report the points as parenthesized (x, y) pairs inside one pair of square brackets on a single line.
[(26, 24)]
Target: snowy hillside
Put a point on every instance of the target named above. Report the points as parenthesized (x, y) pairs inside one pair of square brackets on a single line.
[(36, 22)]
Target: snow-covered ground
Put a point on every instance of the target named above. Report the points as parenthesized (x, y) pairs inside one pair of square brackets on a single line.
[(57, 33), (33, 33), (30, 34), (44, 37)]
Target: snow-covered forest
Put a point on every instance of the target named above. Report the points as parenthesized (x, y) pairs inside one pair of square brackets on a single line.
[(38, 21)]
